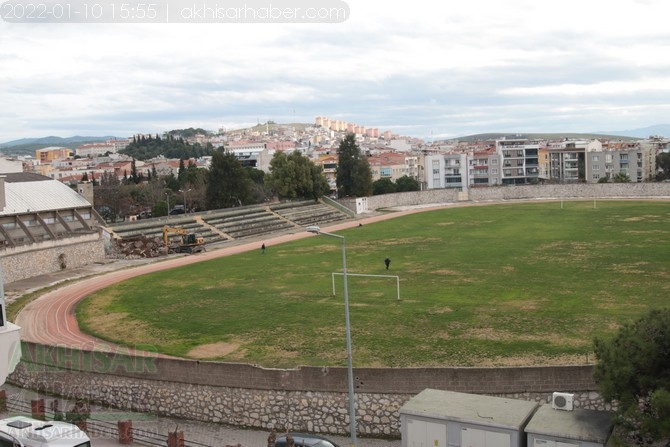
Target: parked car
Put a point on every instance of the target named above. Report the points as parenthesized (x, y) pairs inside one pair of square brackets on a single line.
[(308, 440)]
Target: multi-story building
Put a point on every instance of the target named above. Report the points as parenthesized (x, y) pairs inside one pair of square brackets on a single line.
[(95, 149), (11, 164), (634, 160), (49, 154), (568, 161), (392, 166), (372, 132), (446, 170), (520, 161), (484, 168), (284, 146), (328, 164), (255, 155)]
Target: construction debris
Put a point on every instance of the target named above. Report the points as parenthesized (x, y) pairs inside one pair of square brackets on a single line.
[(138, 247)]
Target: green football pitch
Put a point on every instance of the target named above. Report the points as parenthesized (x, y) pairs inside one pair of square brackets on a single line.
[(502, 284)]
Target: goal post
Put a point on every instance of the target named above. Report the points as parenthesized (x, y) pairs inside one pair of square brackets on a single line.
[(397, 279)]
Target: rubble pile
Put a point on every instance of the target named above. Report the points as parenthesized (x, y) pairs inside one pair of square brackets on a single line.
[(140, 247)]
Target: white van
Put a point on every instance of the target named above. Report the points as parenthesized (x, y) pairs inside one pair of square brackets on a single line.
[(21, 431)]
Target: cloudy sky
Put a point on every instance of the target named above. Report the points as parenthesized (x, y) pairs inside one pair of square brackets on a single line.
[(421, 68)]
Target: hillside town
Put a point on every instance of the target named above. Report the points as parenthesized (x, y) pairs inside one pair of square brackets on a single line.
[(507, 160)]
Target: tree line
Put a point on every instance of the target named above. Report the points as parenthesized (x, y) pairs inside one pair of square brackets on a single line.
[(227, 183), (146, 147)]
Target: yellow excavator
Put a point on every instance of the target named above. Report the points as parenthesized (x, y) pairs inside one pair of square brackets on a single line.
[(188, 243)]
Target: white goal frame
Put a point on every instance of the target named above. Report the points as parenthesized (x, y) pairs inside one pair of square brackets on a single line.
[(397, 279)]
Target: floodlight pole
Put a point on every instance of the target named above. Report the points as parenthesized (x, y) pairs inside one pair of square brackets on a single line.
[(185, 206), (350, 369)]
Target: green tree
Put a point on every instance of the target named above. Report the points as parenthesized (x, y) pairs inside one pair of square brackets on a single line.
[(295, 176), (663, 166), (603, 180), (228, 183), (320, 185), (353, 175), (383, 186), (182, 169), (133, 172), (110, 195), (633, 369), (259, 191), (407, 183), (621, 177)]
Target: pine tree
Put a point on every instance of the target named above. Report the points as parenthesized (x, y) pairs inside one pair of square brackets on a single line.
[(354, 176), (228, 183)]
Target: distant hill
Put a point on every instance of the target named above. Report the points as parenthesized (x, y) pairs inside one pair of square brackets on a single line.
[(538, 136), (28, 146), (53, 141), (643, 132)]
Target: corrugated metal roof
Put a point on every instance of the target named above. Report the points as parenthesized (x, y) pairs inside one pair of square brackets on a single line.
[(37, 195)]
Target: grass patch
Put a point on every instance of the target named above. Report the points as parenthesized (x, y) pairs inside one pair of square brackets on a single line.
[(495, 285)]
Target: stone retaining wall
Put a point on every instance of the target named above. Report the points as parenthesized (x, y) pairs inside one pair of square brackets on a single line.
[(307, 398), (42, 258)]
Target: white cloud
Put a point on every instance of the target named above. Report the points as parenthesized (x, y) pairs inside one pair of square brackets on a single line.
[(427, 68)]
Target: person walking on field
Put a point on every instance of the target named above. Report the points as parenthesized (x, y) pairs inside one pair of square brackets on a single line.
[(263, 248), (387, 261)]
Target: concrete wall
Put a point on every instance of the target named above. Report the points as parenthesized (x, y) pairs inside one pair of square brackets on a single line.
[(51, 256), (522, 192), (307, 398), (598, 190)]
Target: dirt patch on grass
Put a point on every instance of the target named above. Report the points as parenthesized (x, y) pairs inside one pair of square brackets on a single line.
[(531, 360), (213, 350), (443, 310), (445, 272)]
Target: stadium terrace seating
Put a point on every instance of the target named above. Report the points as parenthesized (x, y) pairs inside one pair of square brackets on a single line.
[(150, 228), (237, 223), (309, 213)]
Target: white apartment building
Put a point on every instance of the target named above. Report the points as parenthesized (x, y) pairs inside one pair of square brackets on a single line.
[(520, 161), (446, 171), (255, 155), (96, 149)]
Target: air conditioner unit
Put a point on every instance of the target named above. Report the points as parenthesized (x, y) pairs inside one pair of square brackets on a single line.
[(562, 401)]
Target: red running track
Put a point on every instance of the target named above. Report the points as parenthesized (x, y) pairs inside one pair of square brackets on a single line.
[(50, 319)]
